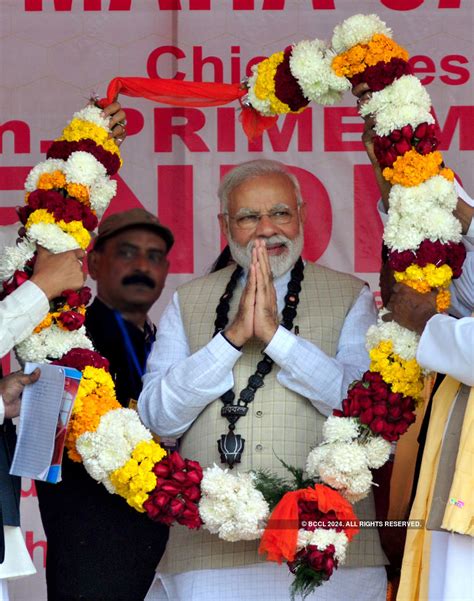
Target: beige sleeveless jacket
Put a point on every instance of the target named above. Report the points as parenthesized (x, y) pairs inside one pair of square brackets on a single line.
[(279, 423)]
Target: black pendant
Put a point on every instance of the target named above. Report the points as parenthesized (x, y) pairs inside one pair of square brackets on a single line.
[(231, 446)]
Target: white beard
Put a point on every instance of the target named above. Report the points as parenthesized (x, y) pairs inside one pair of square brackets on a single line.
[(279, 264)]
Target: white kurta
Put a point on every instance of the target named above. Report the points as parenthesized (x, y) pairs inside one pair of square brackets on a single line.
[(177, 387), (447, 346), (20, 312)]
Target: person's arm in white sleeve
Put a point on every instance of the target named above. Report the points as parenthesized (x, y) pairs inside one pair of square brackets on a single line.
[(307, 370), (177, 385), (20, 312), (447, 346)]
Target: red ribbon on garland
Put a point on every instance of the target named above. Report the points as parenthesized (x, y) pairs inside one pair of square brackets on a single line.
[(190, 93)]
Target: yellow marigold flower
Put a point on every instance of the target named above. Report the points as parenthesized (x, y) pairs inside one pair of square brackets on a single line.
[(79, 129), (48, 181), (136, 501), (403, 376), (356, 59), (99, 376), (412, 169), (39, 216), (148, 448), (79, 192), (425, 278), (265, 83), (77, 231)]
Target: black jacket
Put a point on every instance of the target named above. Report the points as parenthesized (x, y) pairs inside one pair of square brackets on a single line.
[(99, 548)]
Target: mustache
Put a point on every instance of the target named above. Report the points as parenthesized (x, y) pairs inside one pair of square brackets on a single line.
[(273, 240), (138, 278)]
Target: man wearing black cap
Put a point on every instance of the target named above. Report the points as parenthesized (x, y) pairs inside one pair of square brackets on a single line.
[(99, 548)]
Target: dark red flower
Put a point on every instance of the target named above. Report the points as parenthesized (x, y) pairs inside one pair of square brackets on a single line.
[(382, 74), (62, 149), (71, 320), (384, 412), (177, 491), (80, 358), (286, 87)]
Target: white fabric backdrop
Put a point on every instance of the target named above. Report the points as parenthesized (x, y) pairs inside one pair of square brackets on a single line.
[(55, 53)]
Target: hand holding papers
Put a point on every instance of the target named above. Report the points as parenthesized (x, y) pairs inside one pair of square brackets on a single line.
[(45, 411)]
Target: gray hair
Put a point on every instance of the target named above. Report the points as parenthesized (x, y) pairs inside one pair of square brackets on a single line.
[(245, 171)]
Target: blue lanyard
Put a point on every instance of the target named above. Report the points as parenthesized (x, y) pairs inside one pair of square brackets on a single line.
[(131, 354)]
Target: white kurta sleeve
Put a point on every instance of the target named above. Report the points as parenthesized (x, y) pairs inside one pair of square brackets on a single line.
[(447, 346), (20, 312), (177, 385)]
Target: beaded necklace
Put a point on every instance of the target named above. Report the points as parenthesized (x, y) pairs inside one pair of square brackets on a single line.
[(231, 445)]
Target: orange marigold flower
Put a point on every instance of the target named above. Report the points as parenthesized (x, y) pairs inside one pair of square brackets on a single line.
[(79, 192), (443, 301), (93, 408), (380, 48), (48, 181), (412, 169)]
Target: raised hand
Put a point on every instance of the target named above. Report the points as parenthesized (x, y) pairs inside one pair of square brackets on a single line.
[(266, 310), (242, 327), (54, 273), (410, 308), (117, 121)]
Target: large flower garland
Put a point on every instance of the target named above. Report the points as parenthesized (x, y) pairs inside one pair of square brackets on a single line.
[(66, 194), (65, 197), (425, 250)]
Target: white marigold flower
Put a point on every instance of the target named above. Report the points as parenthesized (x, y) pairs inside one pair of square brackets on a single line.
[(48, 166), (52, 237), (348, 458), (404, 102), (377, 451), (405, 342), (15, 257), (315, 458), (92, 114), (52, 343), (83, 168), (101, 192), (358, 29), (310, 65), (343, 429)]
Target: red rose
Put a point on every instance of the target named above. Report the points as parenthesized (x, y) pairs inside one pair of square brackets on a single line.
[(179, 477), (424, 147), (170, 488), (71, 320), (161, 469), (192, 493), (421, 130), (190, 519), (407, 132), (366, 416), (402, 146), (73, 298), (176, 461), (151, 509), (160, 499), (176, 507)]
